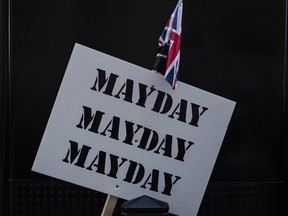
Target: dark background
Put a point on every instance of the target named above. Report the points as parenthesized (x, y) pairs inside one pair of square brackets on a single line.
[(235, 49)]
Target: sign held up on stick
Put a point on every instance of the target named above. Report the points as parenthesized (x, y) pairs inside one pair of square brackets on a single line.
[(120, 129)]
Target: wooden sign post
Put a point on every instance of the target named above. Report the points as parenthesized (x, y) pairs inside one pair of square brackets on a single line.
[(109, 205), (120, 129)]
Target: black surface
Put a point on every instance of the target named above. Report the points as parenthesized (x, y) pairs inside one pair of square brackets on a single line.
[(235, 49), (4, 109)]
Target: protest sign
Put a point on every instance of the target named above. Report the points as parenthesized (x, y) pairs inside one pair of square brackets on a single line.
[(120, 129)]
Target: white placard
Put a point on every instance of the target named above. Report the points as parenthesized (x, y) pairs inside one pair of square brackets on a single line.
[(120, 129)]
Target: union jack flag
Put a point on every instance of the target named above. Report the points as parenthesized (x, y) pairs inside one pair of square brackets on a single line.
[(168, 57)]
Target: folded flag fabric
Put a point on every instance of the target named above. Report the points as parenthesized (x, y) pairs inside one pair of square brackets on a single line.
[(168, 57)]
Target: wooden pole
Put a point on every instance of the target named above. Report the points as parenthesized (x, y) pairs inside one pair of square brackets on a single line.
[(109, 206)]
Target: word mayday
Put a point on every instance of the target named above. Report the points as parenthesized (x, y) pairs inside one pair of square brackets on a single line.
[(99, 123)]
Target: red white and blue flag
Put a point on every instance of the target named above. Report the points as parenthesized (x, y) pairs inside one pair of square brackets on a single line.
[(168, 57)]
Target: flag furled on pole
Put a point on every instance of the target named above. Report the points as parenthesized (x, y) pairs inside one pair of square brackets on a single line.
[(168, 57)]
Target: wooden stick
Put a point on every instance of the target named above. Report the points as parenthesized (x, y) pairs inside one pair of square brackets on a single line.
[(109, 206)]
